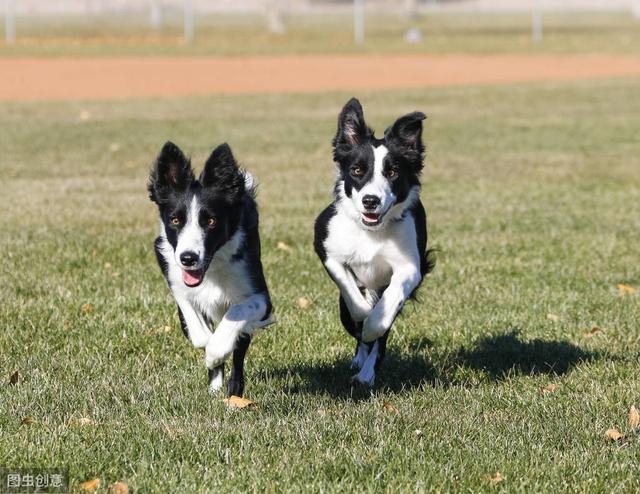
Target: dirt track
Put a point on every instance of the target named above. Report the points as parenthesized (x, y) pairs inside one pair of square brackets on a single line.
[(33, 79)]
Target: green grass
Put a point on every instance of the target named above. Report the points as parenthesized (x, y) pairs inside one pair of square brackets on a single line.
[(246, 34), (533, 195)]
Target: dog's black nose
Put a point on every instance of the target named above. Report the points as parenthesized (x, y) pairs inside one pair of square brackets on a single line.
[(370, 202), (188, 258)]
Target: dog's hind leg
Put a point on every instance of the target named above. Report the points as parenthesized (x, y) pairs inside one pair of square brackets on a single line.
[(216, 378), (371, 365), (382, 349), (355, 330), (367, 374), (236, 379)]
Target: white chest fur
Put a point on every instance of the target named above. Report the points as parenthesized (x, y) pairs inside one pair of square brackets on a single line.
[(372, 256), (225, 283)]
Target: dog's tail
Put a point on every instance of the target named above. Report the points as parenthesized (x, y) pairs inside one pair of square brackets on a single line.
[(428, 262)]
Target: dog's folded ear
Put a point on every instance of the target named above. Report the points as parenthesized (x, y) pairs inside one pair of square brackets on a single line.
[(406, 136), (171, 171), (352, 129), (222, 176), (407, 130)]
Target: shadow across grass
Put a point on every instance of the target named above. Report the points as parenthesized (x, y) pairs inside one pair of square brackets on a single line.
[(499, 357), (506, 355), (398, 373)]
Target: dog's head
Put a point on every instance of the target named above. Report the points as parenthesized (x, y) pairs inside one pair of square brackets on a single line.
[(377, 176), (198, 215)]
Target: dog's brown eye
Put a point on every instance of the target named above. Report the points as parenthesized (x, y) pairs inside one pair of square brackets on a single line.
[(174, 221), (392, 173), (357, 171), (212, 221)]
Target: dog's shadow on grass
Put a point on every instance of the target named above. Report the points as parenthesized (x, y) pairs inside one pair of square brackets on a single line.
[(506, 355), (492, 358)]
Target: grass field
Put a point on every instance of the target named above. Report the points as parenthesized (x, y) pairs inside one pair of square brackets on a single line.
[(533, 195), (246, 34)]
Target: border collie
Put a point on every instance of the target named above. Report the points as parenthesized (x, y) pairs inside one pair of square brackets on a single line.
[(209, 252), (372, 239)]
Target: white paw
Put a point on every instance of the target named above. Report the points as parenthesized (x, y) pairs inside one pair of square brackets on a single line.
[(367, 374), (364, 377), (360, 357), (216, 382), (218, 350), (360, 311), (373, 328)]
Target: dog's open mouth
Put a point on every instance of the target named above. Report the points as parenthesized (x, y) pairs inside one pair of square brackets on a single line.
[(192, 277), (371, 219)]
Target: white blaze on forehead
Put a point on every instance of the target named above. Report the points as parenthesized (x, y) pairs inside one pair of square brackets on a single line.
[(191, 238), (378, 185), (379, 154)]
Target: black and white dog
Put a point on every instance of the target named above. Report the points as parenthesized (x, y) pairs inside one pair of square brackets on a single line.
[(372, 239), (209, 253)]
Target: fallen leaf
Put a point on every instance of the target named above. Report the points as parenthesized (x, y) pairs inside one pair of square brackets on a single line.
[(326, 411), (90, 485), (388, 406), (13, 379), (86, 421), (119, 488), (553, 317), (107, 265), (84, 115), (162, 330), (115, 147), (303, 303), (173, 432), (613, 435), (496, 478), (550, 388), (594, 330), (634, 417), (626, 289), (27, 421), (238, 402), (86, 309), (283, 246)]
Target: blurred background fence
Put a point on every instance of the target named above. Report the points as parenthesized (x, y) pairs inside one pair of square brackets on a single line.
[(33, 18)]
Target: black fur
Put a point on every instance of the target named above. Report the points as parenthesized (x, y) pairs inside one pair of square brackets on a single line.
[(353, 148), (221, 193)]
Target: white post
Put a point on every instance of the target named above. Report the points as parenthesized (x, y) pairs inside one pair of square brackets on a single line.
[(188, 21), (156, 14), (536, 21), (358, 21), (10, 21), (273, 11), (410, 9)]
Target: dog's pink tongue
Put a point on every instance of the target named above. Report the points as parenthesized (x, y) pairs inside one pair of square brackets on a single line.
[(191, 278)]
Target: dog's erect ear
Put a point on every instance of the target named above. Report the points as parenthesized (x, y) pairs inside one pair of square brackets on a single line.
[(352, 129), (171, 171), (407, 131), (222, 175)]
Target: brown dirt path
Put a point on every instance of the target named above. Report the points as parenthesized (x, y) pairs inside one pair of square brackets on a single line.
[(35, 79)]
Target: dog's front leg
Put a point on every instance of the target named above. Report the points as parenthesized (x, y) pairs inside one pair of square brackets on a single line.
[(381, 317), (358, 306), (246, 318), (193, 324)]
